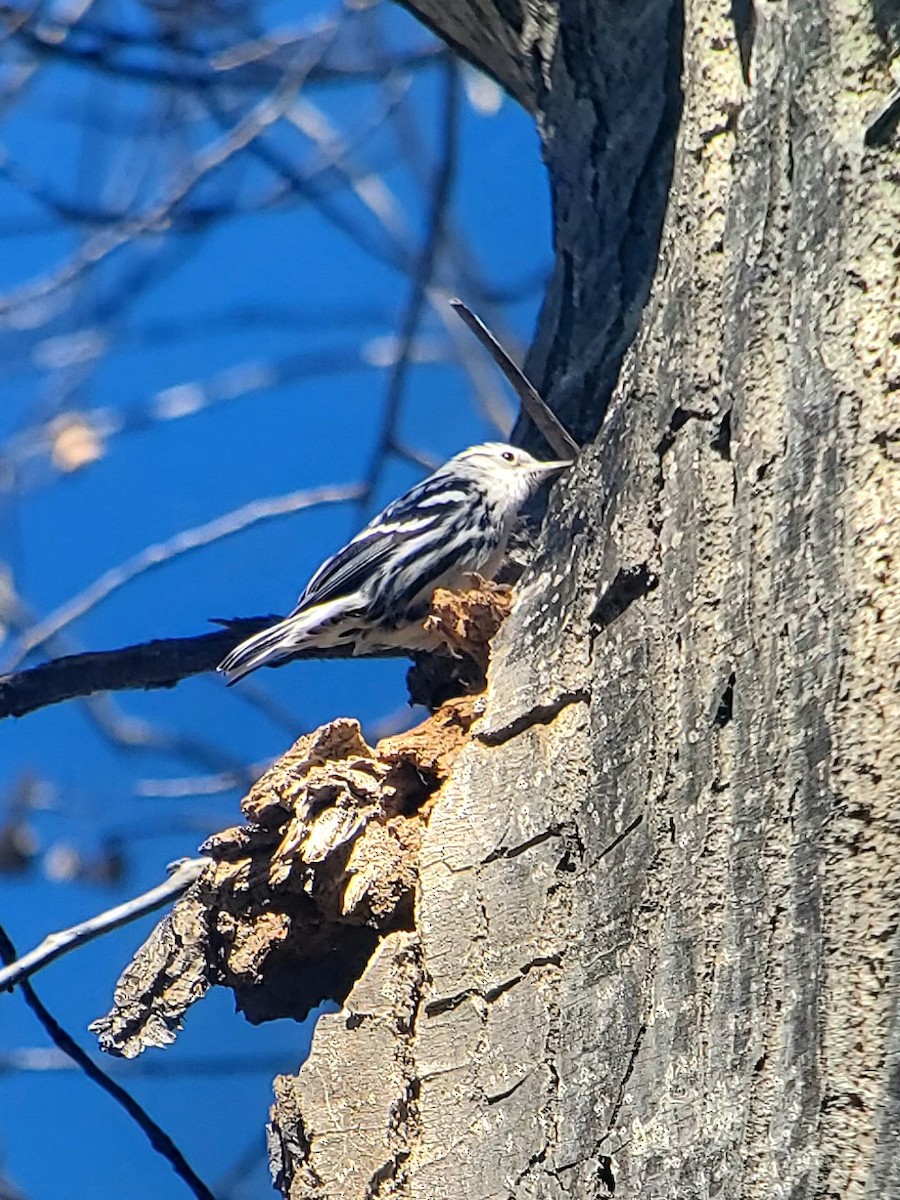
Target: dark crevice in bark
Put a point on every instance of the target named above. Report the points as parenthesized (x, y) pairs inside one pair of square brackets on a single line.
[(725, 707), (541, 714), (721, 441), (448, 1003), (386, 1173), (620, 838), (542, 960), (498, 1096), (605, 1174), (629, 585), (679, 418), (534, 1161), (435, 678), (620, 1095), (523, 847), (743, 14)]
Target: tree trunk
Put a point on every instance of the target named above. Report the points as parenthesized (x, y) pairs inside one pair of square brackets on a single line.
[(655, 935)]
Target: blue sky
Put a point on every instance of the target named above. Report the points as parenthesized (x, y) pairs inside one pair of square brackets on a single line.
[(256, 296)]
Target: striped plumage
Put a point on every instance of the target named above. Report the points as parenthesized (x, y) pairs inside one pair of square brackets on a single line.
[(374, 593)]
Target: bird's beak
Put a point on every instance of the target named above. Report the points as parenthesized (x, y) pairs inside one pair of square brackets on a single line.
[(548, 469)]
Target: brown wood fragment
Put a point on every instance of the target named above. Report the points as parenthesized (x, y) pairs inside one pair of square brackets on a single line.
[(463, 623), (295, 901), (169, 972)]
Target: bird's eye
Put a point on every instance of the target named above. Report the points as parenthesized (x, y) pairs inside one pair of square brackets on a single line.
[(508, 456)]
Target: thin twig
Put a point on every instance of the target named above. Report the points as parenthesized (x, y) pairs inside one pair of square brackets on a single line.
[(46, 42), (158, 1138), (238, 137), (491, 397), (311, 192), (163, 552), (55, 945), (202, 785), (38, 1060), (134, 734), (546, 420), (423, 274), (223, 387)]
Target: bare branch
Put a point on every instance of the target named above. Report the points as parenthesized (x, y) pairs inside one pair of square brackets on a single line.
[(298, 182), (200, 785), (55, 945), (38, 441), (423, 273), (546, 420), (244, 68), (160, 663), (136, 734), (162, 552), (490, 396), (237, 137), (38, 1060), (158, 1138)]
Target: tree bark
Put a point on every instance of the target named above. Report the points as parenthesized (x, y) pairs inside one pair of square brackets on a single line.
[(655, 937)]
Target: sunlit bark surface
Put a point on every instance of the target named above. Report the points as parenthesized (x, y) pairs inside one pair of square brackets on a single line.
[(654, 942)]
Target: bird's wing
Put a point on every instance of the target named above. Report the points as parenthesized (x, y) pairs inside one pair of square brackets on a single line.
[(422, 510), (347, 571)]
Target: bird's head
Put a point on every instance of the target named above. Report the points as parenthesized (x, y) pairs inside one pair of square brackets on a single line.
[(508, 467)]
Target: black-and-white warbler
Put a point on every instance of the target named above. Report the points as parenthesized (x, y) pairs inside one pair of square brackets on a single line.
[(374, 594)]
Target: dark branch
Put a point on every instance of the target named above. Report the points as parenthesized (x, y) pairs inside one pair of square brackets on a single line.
[(158, 664), (157, 1137), (53, 40), (545, 419)]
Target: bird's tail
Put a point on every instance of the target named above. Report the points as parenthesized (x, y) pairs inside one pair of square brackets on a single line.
[(268, 646)]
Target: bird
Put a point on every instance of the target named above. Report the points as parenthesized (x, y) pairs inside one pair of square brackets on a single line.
[(374, 593)]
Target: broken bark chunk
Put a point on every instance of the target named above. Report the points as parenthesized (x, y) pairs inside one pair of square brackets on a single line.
[(294, 903)]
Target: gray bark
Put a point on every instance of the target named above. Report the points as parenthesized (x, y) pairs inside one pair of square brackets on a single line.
[(655, 935), (629, 921)]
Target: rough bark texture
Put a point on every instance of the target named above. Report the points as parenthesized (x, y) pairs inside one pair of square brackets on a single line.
[(655, 938)]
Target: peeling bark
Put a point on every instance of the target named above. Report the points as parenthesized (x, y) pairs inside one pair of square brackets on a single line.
[(294, 902)]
